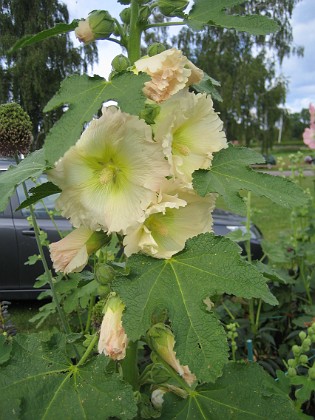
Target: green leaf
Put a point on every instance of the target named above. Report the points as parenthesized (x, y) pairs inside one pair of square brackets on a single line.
[(208, 266), (60, 28), (230, 173), (213, 12), (41, 375), (32, 166), (84, 96), (271, 273), (244, 392), (5, 349), (208, 85), (303, 393), (38, 193)]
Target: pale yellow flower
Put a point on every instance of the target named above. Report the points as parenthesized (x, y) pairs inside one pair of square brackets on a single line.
[(84, 32), (162, 341), (175, 216), (190, 131), (71, 253), (113, 340), (170, 72), (109, 177)]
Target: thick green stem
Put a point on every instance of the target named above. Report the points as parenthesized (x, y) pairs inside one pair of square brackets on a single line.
[(130, 365), (88, 350), (134, 42)]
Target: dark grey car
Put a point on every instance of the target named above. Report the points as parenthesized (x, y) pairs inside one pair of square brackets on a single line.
[(17, 240)]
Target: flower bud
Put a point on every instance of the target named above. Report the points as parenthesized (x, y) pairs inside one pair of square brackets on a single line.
[(144, 14), (113, 339), (162, 341), (296, 350), (155, 48), (302, 335), (291, 372), (15, 130), (120, 63), (104, 274), (157, 398), (125, 15), (303, 359), (291, 363), (98, 25), (311, 373), (172, 7)]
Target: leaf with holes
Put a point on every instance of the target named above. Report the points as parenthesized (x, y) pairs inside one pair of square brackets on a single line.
[(84, 97), (209, 266), (213, 12), (230, 173)]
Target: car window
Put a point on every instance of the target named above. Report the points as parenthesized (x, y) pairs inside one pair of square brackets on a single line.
[(42, 206)]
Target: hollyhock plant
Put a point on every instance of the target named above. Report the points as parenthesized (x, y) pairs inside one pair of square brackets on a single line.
[(190, 131), (113, 340), (71, 253), (109, 177), (162, 341), (170, 71), (309, 133), (98, 25), (170, 221)]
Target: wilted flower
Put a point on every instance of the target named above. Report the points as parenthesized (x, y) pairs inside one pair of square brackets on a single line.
[(71, 253), (98, 25), (15, 130), (157, 398), (170, 71), (190, 131), (109, 177), (113, 340), (162, 341), (175, 216)]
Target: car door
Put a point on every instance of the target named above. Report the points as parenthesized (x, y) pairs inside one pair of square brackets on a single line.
[(9, 272), (25, 235)]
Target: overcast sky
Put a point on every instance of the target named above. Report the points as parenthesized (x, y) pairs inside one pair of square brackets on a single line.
[(299, 71)]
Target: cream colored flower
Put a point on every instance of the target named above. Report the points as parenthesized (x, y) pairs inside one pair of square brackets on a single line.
[(109, 177), (190, 131), (71, 253), (162, 341), (113, 340), (170, 71), (84, 32), (177, 215)]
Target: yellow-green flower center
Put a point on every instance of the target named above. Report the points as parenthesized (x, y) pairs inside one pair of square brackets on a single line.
[(108, 174), (178, 145), (156, 225)]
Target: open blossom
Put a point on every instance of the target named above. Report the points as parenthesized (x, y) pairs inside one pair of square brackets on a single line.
[(176, 215), (71, 253), (162, 341), (170, 71), (109, 177), (113, 340), (309, 133), (190, 131)]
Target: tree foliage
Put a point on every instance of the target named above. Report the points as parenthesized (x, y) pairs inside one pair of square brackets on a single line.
[(31, 76)]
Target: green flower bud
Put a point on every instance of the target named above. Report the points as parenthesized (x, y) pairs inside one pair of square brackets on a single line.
[(155, 48), (103, 290), (311, 373), (125, 15), (296, 350), (172, 7), (291, 363), (98, 25), (120, 63), (144, 14), (303, 359), (104, 274), (306, 344), (15, 130), (291, 372), (302, 335)]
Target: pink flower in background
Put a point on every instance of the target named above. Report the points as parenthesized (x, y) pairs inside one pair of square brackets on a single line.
[(309, 133)]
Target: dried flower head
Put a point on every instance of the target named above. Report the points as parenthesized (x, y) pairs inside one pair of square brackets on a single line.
[(15, 130)]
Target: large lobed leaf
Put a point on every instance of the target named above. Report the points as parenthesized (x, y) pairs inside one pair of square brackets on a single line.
[(84, 97), (244, 392), (58, 29), (213, 12), (41, 382), (230, 173), (208, 266), (32, 166)]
